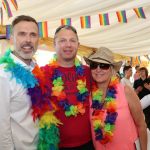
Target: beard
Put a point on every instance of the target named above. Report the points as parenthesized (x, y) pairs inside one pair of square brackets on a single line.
[(26, 51), (26, 55)]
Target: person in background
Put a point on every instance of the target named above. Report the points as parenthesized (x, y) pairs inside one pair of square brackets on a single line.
[(21, 103), (142, 88), (70, 85), (127, 70), (137, 72), (145, 101), (141, 85), (114, 118)]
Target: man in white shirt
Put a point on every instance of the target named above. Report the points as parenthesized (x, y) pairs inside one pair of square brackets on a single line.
[(17, 129)]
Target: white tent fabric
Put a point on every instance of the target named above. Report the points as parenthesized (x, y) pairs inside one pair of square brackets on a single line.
[(131, 38)]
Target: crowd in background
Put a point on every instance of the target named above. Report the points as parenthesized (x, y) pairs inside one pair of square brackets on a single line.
[(141, 85)]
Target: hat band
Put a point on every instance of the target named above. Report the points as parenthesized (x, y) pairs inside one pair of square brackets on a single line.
[(102, 59)]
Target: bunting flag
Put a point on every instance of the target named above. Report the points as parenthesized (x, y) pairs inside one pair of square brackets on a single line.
[(121, 15), (7, 8), (139, 12), (148, 58), (1, 11), (85, 21), (104, 19), (14, 2), (131, 61), (8, 31), (43, 29), (138, 60), (66, 21)]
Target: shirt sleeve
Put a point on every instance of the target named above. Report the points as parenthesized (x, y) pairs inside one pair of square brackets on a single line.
[(145, 101), (6, 142)]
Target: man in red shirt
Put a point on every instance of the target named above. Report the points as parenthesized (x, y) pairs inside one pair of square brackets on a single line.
[(70, 84)]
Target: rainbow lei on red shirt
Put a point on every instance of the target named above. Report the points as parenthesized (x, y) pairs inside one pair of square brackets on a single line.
[(58, 89), (104, 125), (42, 109)]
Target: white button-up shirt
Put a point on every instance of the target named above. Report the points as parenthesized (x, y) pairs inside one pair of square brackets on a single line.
[(17, 129)]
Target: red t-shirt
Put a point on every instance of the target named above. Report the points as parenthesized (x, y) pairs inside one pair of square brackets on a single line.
[(75, 131)]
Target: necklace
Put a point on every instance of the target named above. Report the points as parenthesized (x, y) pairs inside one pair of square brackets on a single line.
[(104, 112), (58, 89), (42, 110)]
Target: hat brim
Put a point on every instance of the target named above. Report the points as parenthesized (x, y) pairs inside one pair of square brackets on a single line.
[(116, 65)]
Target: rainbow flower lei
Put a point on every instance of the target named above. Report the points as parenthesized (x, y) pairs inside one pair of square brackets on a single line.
[(59, 92), (104, 125), (42, 109)]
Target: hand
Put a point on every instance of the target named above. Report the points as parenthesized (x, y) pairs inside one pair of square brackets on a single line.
[(147, 86), (139, 89)]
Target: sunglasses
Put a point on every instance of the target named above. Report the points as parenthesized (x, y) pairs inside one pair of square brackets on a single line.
[(94, 65)]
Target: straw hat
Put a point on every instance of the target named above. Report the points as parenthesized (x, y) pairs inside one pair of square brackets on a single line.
[(103, 55)]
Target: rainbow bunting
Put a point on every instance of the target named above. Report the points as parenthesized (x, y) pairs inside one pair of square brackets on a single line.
[(139, 12), (85, 21), (7, 8), (104, 19), (8, 31), (1, 11), (14, 2), (43, 30), (138, 60), (66, 21), (148, 58), (121, 16), (131, 61)]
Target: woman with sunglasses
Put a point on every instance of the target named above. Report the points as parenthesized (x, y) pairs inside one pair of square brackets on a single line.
[(116, 116)]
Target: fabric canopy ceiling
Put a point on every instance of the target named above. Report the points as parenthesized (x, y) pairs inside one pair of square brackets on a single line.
[(130, 39)]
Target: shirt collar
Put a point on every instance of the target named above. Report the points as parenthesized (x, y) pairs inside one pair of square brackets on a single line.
[(17, 60)]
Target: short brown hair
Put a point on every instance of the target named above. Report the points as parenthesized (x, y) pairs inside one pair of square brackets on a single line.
[(65, 27), (145, 69), (126, 68), (23, 18)]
